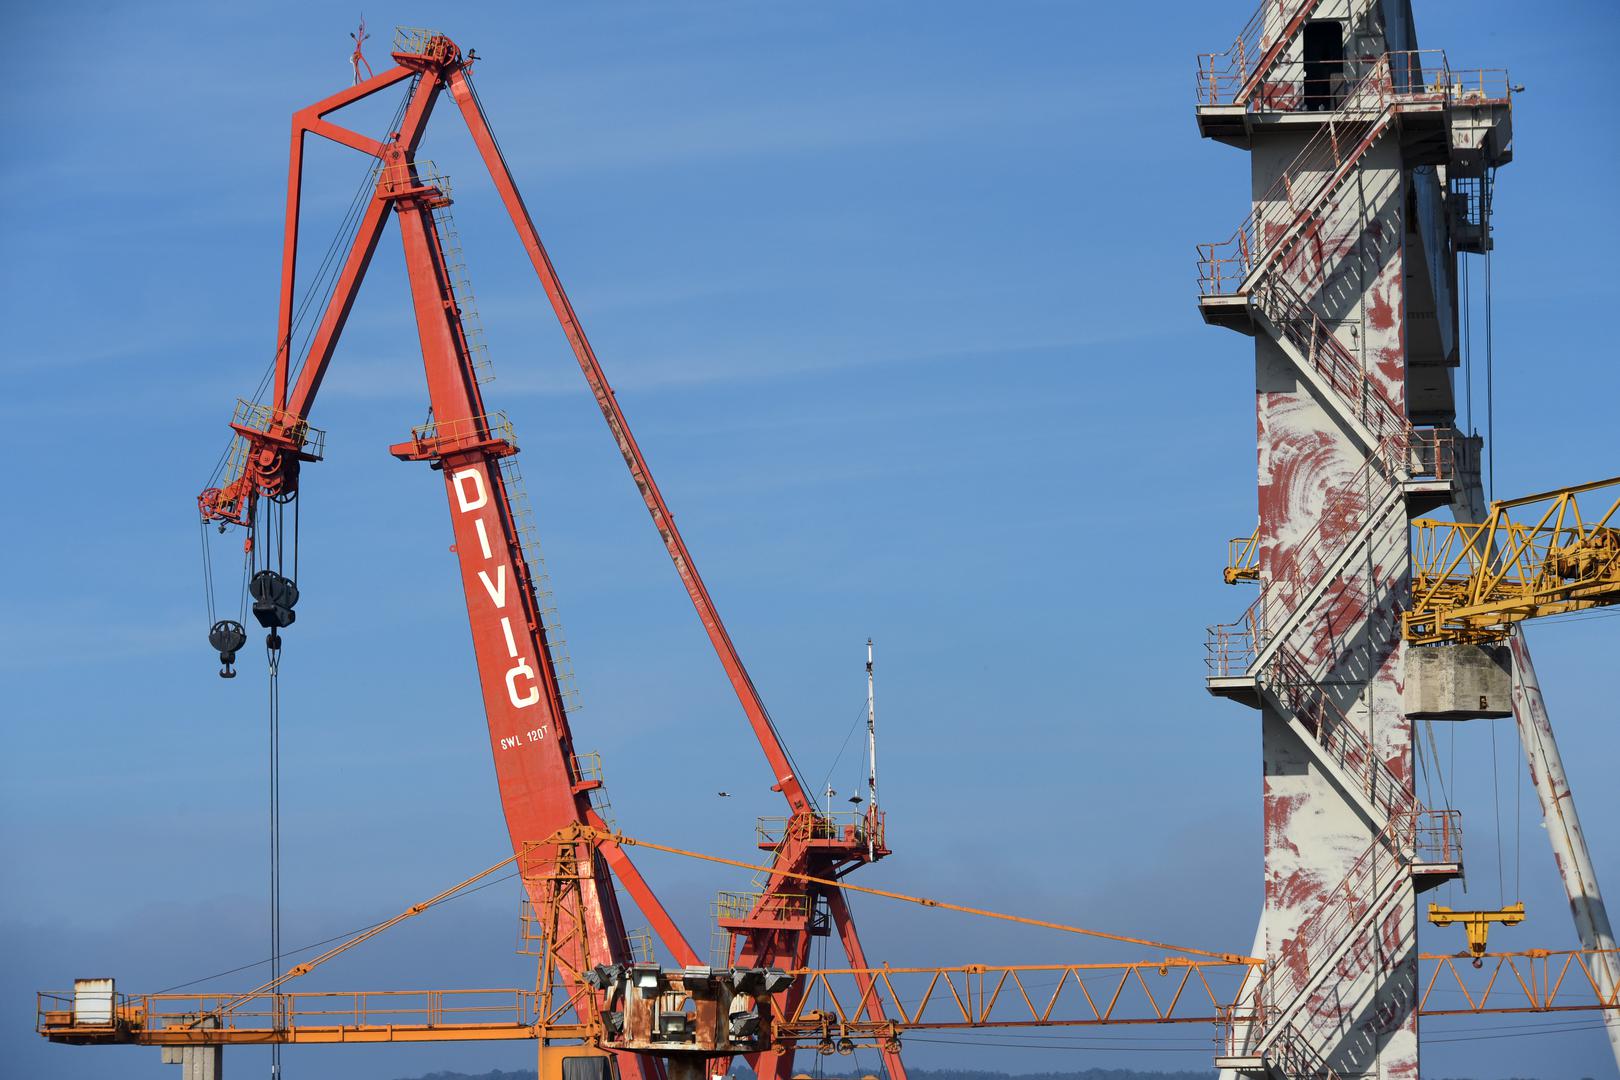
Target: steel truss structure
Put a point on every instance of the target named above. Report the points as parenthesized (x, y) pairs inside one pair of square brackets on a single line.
[(1535, 556), (1190, 986)]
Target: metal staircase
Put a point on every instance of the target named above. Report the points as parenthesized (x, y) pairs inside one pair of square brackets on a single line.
[(1232, 77), (1288, 1017), (1304, 196), (1303, 193), (1284, 652)]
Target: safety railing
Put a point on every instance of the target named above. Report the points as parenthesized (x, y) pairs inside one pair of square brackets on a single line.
[(259, 1014), (1434, 452), (1292, 1055), (1471, 86), (587, 767), (1224, 78), (1335, 733), (226, 500), (1349, 509), (764, 906), (1298, 195), (1437, 837), (1288, 86), (455, 272), (1324, 353), (528, 537), (483, 428), (858, 826), (419, 41), (1371, 883), (296, 431), (639, 942), (110, 1012), (1352, 509), (1230, 649), (412, 176)]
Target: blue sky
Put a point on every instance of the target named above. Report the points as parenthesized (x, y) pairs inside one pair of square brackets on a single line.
[(900, 302)]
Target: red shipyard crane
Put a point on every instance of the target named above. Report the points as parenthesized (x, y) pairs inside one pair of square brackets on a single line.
[(544, 784)]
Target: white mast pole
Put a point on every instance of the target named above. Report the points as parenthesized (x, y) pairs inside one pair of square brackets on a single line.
[(1570, 853), (871, 750)]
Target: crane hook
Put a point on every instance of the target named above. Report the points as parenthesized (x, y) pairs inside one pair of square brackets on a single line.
[(227, 636)]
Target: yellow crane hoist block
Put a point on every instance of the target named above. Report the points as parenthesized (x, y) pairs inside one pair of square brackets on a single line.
[(1477, 924)]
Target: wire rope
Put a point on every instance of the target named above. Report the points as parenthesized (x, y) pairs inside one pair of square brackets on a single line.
[(1467, 348), (1518, 823), (288, 954), (848, 735), (208, 570), (273, 651), (753, 691), (1496, 805), (1490, 363)]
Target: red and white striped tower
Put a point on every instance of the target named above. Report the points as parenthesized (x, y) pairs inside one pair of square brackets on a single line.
[(1368, 158)]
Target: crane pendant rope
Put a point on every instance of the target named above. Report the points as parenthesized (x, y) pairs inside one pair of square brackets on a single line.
[(273, 658)]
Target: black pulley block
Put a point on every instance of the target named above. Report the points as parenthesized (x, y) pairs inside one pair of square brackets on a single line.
[(227, 636), (273, 599)]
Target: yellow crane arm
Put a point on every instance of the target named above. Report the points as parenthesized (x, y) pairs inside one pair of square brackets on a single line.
[(1242, 558), (1545, 554)]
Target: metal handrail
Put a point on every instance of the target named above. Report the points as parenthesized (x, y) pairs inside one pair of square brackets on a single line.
[(420, 41), (819, 825), (1251, 54), (775, 906), (1395, 80), (275, 1011), (1288, 679), (1409, 453), (1283, 981), (1282, 305), (413, 175), (492, 426)]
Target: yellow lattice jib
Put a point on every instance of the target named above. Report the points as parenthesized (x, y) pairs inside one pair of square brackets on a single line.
[(1547, 554)]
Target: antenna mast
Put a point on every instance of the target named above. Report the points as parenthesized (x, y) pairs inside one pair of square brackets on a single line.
[(871, 745)]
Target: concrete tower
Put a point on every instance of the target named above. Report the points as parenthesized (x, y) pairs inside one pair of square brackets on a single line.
[(1371, 163)]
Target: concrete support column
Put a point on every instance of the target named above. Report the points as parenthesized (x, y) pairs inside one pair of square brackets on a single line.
[(196, 1062), (1564, 827)]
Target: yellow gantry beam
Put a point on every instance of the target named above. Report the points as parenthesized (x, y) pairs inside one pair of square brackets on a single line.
[(1546, 554), (1477, 924)]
